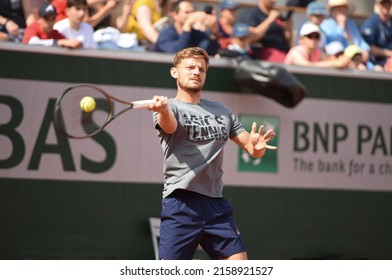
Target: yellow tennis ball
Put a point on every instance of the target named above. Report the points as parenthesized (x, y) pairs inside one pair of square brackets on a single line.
[(87, 104)]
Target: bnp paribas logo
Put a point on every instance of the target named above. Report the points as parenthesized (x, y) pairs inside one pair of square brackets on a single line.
[(269, 162)]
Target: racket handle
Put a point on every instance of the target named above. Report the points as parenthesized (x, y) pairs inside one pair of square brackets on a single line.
[(143, 103)]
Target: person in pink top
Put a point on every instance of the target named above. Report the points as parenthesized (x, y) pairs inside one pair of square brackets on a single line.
[(307, 51)]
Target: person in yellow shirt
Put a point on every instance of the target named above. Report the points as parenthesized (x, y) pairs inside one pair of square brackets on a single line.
[(141, 17)]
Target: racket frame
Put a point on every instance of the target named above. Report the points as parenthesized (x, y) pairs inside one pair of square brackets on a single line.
[(109, 98)]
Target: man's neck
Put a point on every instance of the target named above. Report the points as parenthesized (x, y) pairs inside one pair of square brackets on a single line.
[(74, 25), (384, 17), (188, 97), (178, 27)]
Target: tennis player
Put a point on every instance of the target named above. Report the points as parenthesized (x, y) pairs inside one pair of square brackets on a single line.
[(193, 132)]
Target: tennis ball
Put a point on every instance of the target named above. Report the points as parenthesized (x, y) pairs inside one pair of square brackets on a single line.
[(87, 104)]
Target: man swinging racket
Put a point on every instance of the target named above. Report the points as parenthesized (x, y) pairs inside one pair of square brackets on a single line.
[(192, 133)]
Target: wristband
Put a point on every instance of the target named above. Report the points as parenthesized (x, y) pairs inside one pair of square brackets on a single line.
[(6, 21)]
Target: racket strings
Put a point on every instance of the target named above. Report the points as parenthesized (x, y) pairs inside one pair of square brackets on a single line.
[(75, 122)]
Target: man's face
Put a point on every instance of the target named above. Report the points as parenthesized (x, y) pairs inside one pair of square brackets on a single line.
[(184, 10), (76, 14), (191, 74), (311, 40), (229, 15), (384, 6), (343, 9), (47, 23), (317, 19), (357, 59)]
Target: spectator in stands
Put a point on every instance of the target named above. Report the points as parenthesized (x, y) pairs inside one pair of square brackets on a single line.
[(140, 17), (182, 34), (354, 53), (13, 17), (19, 11), (99, 12), (73, 27), (228, 12), (41, 31), (272, 33), (338, 27), (377, 32), (240, 45), (307, 52), (316, 13), (334, 50)]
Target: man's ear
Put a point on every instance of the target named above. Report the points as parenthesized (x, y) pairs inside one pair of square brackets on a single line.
[(173, 72)]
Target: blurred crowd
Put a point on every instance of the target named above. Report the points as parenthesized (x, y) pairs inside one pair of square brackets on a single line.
[(327, 38)]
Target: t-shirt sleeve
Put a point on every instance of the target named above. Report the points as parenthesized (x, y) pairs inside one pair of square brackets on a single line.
[(236, 127), (172, 107)]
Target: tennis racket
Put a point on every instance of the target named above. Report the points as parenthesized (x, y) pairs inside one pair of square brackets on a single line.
[(74, 122)]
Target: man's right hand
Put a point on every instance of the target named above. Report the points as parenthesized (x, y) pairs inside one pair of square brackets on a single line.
[(194, 19)]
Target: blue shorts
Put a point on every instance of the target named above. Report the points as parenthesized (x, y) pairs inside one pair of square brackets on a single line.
[(189, 219)]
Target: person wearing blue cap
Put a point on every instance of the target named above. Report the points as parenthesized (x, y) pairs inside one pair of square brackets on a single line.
[(227, 15), (240, 42), (316, 13)]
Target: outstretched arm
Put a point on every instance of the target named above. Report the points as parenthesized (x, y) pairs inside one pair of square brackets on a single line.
[(255, 143), (165, 119)]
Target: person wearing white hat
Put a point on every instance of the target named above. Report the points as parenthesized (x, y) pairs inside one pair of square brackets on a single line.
[(338, 27), (334, 49), (316, 12), (307, 52), (377, 32)]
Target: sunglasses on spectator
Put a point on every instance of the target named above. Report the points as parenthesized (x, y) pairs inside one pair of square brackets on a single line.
[(315, 36)]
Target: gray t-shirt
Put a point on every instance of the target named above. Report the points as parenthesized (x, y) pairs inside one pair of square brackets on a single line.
[(193, 154)]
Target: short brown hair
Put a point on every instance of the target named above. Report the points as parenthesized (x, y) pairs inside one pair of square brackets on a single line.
[(74, 3), (191, 53)]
